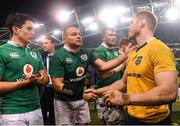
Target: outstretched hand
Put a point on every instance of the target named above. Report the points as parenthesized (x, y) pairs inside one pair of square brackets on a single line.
[(90, 94)]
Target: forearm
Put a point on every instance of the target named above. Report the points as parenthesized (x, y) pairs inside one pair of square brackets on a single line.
[(157, 96), (107, 74), (113, 63), (118, 85), (6, 87)]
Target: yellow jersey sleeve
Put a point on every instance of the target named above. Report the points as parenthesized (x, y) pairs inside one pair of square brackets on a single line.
[(161, 57)]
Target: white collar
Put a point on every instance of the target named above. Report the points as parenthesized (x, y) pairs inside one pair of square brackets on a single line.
[(106, 46), (15, 44), (51, 54), (67, 48)]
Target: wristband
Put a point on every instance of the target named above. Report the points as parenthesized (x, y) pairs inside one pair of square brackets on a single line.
[(125, 97), (72, 91)]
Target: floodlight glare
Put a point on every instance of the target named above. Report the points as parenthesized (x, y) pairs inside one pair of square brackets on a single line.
[(172, 14), (177, 3), (126, 19), (64, 15), (37, 25), (87, 20), (56, 32), (93, 27)]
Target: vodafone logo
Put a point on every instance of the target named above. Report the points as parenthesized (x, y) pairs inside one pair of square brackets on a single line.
[(79, 71), (27, 69)]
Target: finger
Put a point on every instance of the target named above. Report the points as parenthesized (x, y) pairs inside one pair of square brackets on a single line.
[(89, 90), (108, 102)]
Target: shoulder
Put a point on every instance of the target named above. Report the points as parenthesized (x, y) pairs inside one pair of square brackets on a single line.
[(100, 49), (5, 48), (59, 54), (157, 44), (4, 45), (158, 47)]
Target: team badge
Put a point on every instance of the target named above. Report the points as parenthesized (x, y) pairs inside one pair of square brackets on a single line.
[(34, 55), (115, 53), (79, 71), (27, 69), (84, 57), (138, 60)]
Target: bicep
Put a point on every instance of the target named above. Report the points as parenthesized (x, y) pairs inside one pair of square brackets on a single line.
[(167, 80), (98, 63)]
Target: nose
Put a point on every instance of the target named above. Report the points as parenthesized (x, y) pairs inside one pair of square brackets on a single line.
[(78, 37)]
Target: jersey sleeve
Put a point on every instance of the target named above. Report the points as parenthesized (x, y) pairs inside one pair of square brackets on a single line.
[(162, 58), (2, 66), (56, 68), (93, 57), (100, 55)]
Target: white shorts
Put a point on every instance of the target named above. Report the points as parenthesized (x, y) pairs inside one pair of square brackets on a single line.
[(28, 118), (71, 113)]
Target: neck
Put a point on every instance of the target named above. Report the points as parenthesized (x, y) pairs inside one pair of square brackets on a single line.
[(17, 41), (143, 38), (51, 52), (109, 46), (73, 49)]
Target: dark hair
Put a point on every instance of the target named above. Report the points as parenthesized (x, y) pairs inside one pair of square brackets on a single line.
[(17, 19), (50, 38), (124, 41), (149, 17)]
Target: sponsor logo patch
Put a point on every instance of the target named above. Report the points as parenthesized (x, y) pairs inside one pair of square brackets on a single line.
[(69, 60), (14, 55), (79, 71), (27, 69)]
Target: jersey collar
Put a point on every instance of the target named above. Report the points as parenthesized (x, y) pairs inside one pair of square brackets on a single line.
[(149, 40), (68, 49), (106, 46), (17, 45)]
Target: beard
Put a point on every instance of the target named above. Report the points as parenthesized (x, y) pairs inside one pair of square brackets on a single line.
[(133, 37)]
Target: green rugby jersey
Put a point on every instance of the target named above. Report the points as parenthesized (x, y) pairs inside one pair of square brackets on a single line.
[(72, 67), (107, 54), (15, 62)]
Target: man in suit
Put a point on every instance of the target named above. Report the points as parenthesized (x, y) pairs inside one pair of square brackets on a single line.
[(47, 92)]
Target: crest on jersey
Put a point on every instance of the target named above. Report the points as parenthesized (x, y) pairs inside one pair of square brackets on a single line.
[(84, 57), (138, 60), (79, 71), (27, 69), (34, 55), (116, 53)]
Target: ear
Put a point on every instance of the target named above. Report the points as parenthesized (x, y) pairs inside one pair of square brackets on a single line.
[(65, 38), (142, 23), (14, 29)]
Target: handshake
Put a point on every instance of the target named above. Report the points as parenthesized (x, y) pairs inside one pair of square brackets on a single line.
[(111, 97)]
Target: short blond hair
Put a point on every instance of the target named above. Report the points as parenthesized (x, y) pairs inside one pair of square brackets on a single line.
[(149, 17)]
